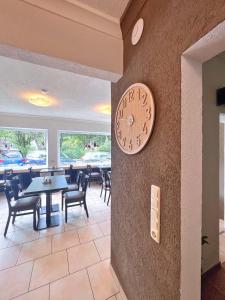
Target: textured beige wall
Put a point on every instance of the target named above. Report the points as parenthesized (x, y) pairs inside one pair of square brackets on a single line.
[(147, 270)]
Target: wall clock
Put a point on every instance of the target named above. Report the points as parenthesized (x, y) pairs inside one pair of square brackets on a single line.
[(134, 118)]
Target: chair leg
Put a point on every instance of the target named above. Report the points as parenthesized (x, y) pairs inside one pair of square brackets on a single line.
[(105, 195), (34, 219), (14, 218), (7, 224), (65, 213), (62, 200), (101, 191), (109, 197), (85, 207)]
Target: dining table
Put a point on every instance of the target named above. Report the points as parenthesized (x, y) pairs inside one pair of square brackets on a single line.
[(54, 184), (52, 170)]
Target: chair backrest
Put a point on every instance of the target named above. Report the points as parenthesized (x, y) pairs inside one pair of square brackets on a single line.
[(8, 174), (105, 178), (15, 188), (84, 183), (79, 178), (8, 193), (89, 170)]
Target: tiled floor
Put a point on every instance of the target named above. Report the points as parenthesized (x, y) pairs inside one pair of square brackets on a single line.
[(71, 261), (222, 241)]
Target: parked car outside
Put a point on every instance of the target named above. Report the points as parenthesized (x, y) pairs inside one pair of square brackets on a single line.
[(97, 157), (37, 157), (11, 157)]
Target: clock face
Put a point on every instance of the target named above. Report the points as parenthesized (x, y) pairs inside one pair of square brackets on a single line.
[(134, 118)]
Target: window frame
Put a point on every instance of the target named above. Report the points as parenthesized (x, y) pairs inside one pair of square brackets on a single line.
[(44, 130), (60, 131)]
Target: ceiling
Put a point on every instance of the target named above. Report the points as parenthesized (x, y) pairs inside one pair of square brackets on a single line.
[(112, 8), (76, 95)]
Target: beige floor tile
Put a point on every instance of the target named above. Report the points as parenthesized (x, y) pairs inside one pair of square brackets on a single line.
[(51, 231), (49, 268), (64, 240), (102, 282), (82, 256), (9, 256), (112, 298), (38, 294), (118, 297), (6, 241), (75, 286), (23, 236), (105, 227), (89, 233), (15, 281), (35, 249), (103, 246)]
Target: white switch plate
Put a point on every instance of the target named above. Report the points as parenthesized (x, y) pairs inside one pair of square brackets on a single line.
[(155, 213)]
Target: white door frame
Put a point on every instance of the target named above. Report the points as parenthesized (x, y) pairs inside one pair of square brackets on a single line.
[(212, 44)]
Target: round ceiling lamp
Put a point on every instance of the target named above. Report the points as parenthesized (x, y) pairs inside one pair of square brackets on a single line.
[(40, 101)]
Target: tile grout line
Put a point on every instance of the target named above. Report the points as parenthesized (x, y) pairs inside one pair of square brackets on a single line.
[(90, 283), (31, 275)]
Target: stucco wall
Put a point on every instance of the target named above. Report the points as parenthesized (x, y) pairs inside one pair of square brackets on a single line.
[(147, 270)]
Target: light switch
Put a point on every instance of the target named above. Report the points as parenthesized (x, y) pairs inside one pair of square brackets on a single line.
[(155, 213)]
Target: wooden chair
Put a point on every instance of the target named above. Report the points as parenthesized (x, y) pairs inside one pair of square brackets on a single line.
[(77, 198), (93, 175), (22, 206), (73, 187)]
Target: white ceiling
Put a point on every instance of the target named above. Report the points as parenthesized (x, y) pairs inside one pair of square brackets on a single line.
[(112, 8), (76, 95)]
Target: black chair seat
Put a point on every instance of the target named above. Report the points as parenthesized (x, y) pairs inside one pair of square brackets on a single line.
[(73, 196), (72, 187), (25, 203)]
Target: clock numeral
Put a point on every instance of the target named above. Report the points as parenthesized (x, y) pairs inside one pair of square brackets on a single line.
[(124, 141), (138, 140), (117, 124), (148, 113), (131, 95), (120, 114), (124, 102), (145, 128), (142, 97), (119, 134), (130, 146)]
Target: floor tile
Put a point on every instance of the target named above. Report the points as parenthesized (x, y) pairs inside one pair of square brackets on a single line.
[(8, 257), (23, 236), (82, 256), (105, 227), (35, 249), (15, 281), (102, 282), (51, 231), (103, 246), (41, 293), (64, 240), (89, 233), (49, 268), (75, 286)]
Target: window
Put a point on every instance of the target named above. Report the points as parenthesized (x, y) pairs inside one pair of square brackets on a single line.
[(83, 148), (21, 148)]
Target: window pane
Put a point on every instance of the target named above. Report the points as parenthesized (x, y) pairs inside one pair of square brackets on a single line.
[(81, 149), (21, 148)]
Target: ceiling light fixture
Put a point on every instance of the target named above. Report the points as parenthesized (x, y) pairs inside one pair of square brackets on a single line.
[(40, 100), (104, 108)]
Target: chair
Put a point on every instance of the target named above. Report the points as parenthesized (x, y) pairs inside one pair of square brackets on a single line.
[(106, 185), (77, 198), (93, 176), (73, 187), (20, 207), (110, 183)]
